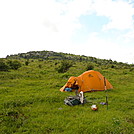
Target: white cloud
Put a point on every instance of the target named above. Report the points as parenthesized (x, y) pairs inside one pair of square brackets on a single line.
[(37, 25), (129, 37), (50, 25), (119, 12), (76, 8), (106, 49), (32, 25)]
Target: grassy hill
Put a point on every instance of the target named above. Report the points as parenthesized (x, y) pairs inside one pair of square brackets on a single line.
[(31, 103), (50, 55)]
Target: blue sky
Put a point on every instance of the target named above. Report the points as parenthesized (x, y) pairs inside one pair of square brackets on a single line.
[(89, 25), (98, 28)]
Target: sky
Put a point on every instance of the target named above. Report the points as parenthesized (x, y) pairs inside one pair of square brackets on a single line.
[(99, 28)]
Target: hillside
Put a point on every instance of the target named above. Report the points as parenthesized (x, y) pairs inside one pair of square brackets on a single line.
[(31, 103), (50, 55)]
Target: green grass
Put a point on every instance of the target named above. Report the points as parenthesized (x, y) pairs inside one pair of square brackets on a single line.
[(31, 103)]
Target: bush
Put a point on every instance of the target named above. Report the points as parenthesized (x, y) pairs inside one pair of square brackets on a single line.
[(27, 62), (40, 66), (89, 67), (131, 69), (64, 66), (14, 64), (3, 66), (112, 66)]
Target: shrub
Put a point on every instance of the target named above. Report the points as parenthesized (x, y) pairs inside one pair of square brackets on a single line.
[(64, 66), (27, 62), (14, 64), (40, 66), (112, 66), (89, 67), (131, 69), (3, 66)]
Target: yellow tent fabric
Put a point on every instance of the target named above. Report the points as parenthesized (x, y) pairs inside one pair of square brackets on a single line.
[(87, 82)]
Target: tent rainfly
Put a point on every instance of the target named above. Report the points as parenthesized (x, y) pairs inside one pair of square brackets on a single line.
[(87, 82)]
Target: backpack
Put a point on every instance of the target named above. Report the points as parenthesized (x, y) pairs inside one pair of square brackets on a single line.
[(73, 100)]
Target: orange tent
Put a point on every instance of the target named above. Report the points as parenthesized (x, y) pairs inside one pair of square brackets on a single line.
[(87, 82)]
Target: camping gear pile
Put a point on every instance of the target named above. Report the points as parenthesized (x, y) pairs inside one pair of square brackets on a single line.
[(89, 81), (72, 100), (75, 100)]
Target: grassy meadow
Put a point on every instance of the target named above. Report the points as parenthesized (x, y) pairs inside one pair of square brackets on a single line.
[(31, 103)]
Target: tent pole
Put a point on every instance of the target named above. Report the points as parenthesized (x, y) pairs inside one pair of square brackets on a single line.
[(106, 92)]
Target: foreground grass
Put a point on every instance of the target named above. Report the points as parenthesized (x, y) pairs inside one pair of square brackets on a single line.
[(31, 102)]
